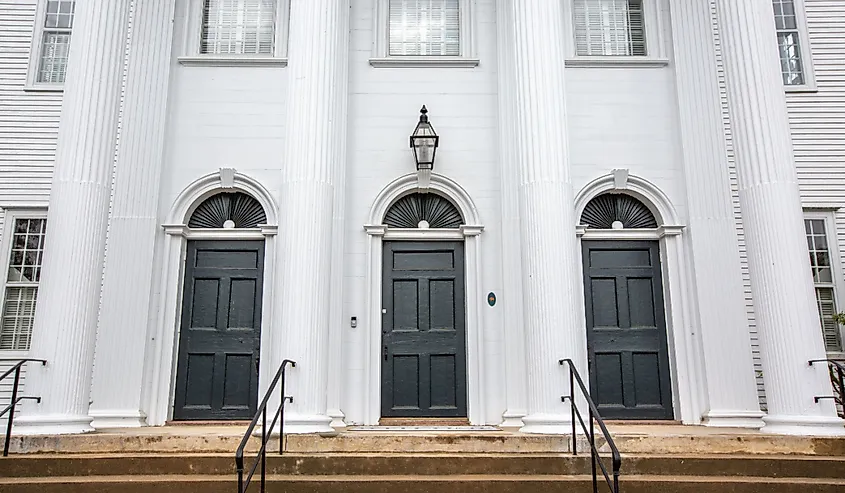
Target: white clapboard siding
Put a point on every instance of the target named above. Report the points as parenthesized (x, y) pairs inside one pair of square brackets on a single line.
[(29, 123), (29, 120), (7, 384), (818, 119), (746, 280)]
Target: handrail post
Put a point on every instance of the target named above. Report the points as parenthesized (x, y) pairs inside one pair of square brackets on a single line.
[(593, 452), (264, 448), (12, 410), (282, 415), (572, 409)]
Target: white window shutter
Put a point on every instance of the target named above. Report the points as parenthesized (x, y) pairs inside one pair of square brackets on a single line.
[(425, 27), (609, 28), (238, 27)]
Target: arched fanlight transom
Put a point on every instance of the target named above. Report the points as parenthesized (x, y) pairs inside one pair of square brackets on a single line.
[(228, 210), (617, 211), (423, 210)]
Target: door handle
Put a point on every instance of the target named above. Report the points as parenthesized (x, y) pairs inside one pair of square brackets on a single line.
[(257, 360), (384, 351)]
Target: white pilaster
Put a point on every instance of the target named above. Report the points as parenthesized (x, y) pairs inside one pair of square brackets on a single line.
[(730, 385), (549, 249), (784, 300), (127, 281), (69, 294), (511, 258), (314, 143)]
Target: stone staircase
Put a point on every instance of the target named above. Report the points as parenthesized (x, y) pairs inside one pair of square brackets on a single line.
[(451, 463)]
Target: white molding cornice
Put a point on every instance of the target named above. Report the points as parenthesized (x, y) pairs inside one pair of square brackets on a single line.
[(628, 234), (615, 62), (375, 229), (220, 233), (471, 230), (431, 62), (231, 61)]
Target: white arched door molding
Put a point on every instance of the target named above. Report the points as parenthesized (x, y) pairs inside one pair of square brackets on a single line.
[(161, 372), (684, 349), (469, 233)]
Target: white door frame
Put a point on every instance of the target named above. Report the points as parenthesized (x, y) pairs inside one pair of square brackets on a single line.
[(684, 347), (160, 373), (470, 234)]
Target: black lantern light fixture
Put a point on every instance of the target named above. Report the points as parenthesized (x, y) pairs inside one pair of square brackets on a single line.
[(424, 142)]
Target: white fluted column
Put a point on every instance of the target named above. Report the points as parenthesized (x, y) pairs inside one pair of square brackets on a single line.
[(781, 282), (549, 249), (514, 357), (69, 294), (338, 323), (730, 386), (127, 282), (314, 141)]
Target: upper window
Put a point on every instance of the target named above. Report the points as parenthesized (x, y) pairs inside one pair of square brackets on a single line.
[(609, 28), (423, 32), (793, 45), (51, 43), (26, 240), (789, 43), (235, 32), (425, 27), (238, 27), (823, 279)]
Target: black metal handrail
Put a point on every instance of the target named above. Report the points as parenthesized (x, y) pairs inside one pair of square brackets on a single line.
[(261, 459), (16, 368), (595, 417), (837, 379)]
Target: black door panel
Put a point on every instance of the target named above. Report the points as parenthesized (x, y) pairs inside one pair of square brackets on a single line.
[(626, 330), (423, 330), (219, 339)]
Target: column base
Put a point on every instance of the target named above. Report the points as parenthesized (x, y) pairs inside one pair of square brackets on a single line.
[(512, 419), (301, 424), (337, 417), (52, 425), (734, 419), (804, 425), (547, 424), (117, 418)]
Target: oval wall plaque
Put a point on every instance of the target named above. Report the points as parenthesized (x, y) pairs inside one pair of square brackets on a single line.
[(491, 299)]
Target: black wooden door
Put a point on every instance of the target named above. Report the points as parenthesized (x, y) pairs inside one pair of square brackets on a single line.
[(626, 330), (219, 340), (423, 330)]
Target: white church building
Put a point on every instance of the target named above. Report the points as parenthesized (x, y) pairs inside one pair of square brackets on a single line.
[(192, 191)]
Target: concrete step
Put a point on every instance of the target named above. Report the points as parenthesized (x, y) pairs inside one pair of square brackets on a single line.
[(418, 484), (371, 465), (631, 440)]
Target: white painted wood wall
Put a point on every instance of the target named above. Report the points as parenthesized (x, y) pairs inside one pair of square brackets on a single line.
[(235, 117), (29, 122)]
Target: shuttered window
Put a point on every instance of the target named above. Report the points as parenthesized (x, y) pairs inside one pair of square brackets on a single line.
[(55, 41), (238, 27), (820, 263), (22, 278), (789, 44), (425, 28), (609, 28)]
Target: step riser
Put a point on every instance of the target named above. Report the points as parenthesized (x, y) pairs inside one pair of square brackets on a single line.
[(516, 486), (416, 465)]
